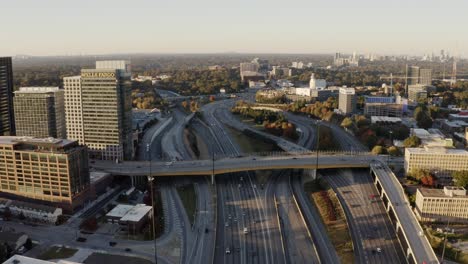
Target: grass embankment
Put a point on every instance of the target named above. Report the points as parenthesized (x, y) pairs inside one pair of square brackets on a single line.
[(333, 217), (57, 253), (249, 144), (451, 253), (189, 200)]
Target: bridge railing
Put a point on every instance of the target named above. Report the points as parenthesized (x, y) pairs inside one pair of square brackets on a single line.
[(297, 154)]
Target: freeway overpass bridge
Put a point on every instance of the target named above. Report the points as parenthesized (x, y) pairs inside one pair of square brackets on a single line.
[(310, 160), (408, 230)]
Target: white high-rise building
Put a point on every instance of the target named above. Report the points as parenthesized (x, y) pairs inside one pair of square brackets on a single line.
[(99, 110), (347, 100), (73, 108)]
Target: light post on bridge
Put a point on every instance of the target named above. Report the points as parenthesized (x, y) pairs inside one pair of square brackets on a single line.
[(151, 182), (317, 147)]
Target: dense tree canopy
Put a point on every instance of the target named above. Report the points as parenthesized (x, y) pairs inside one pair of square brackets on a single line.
[(460, 178)]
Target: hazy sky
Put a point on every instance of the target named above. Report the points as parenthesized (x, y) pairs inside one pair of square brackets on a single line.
[(57, 27)]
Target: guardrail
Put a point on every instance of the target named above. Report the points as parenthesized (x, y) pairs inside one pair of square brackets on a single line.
[(298, 153)]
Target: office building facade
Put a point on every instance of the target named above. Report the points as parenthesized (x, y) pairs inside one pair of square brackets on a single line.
[(417, 76), (40, 112), (436, 205), (442, 161), (347, 100), (98, 104), (51, 171), (383, 109), (73, 108), (7, 122)]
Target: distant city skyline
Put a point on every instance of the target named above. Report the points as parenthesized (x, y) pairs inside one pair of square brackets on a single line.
[(53, 27)]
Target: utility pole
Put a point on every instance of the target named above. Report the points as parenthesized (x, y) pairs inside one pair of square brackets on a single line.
[(317, 148), (213, 166), (151, 181)]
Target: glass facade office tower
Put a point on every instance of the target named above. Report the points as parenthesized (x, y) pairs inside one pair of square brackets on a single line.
[(98, 104), (7, 123), (40, 112)]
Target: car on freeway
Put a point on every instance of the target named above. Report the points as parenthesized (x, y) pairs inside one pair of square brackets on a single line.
[(379, 250), (169, 163), (81, 239), (226, 224), (246, 230), (228, 250), (254, 159), (112, 243)]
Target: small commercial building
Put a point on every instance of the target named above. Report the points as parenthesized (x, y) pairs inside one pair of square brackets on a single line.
[(131, 218), (31, 211), (18, 259), (437, 205)]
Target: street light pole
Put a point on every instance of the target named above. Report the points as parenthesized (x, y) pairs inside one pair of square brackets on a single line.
[(212, 167), (151, 181), (317, 148)]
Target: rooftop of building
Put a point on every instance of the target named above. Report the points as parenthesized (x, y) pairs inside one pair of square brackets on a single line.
[(430, 133), (448, 191), (437, 150), (388, 119), (136, 213), (96, 176), (347, 90), (37, 90), (39, 142), (18, 259), (456, 123), (119, 210), (34, 207), (131, 213)]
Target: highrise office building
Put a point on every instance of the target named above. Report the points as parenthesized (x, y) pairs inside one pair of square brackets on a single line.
[(52, 171), (73, 108), (7, 122), (419, 76), (425, 76), (347, 100), (40, 112), (413, 75), (99, 110)]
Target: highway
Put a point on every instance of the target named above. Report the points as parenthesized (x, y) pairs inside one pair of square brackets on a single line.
[(370, 225), (245, 233), (418, 242), (299, 246)]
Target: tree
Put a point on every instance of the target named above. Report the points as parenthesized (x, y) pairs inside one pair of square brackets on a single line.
[(184, 104), (428, 180), (412, 142), (460, 178), (418, 174), (393, 151), (377, 150), (347, 122)]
